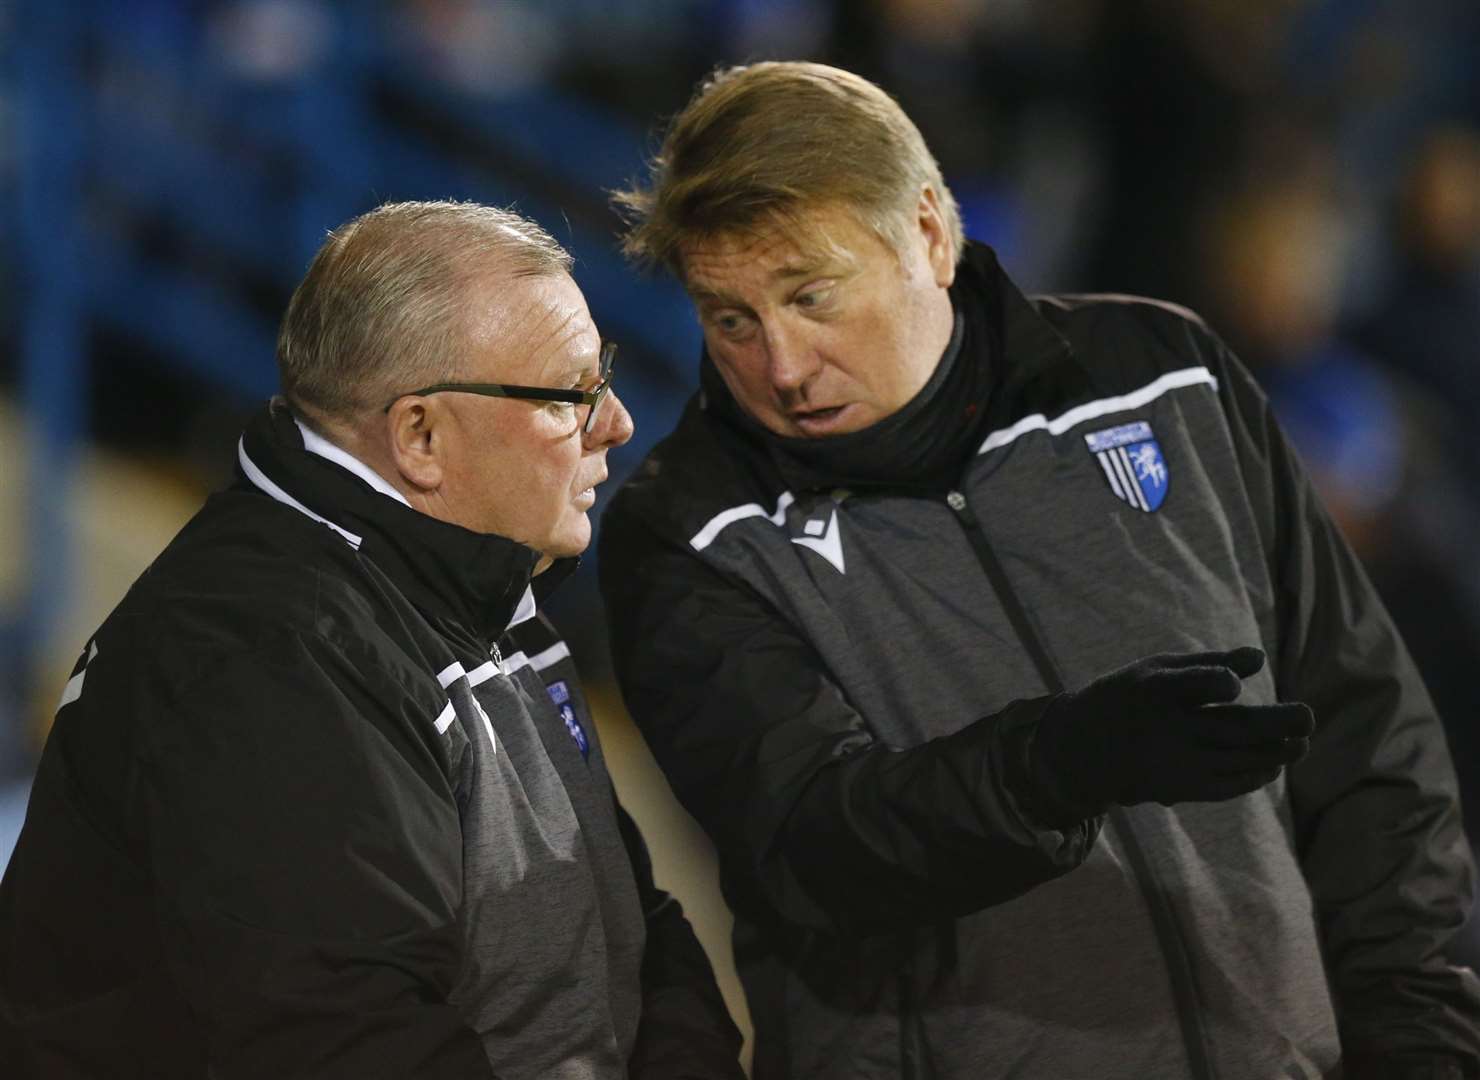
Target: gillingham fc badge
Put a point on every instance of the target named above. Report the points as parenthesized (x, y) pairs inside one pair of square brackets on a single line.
[(1133, 464), (560, 695)]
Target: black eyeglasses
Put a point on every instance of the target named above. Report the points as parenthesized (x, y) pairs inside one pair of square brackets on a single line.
[(592, 397)]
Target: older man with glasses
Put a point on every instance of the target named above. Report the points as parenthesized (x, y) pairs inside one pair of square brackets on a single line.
[(323, 797)]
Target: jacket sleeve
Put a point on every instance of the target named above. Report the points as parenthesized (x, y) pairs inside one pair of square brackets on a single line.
[(685, 1032), (817, 824), (306, 853), (1375, 803)]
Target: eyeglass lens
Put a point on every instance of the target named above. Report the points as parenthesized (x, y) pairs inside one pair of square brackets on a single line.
[(608, 355)]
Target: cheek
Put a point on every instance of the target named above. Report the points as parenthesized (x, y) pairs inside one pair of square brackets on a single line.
[(748, 387), (741, 366), (529, 476), (904, 366), (559, 467), (536, 500)]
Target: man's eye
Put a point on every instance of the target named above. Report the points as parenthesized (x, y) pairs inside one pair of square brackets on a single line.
[(814, 297), (732, 324)]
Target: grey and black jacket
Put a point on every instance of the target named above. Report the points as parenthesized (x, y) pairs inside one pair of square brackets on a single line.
[(323, 799), (842, 683)]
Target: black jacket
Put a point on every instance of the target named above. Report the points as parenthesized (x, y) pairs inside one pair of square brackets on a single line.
[(323, 799), (840, 684)]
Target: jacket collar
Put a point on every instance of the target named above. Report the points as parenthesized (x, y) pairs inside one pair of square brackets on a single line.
[(1036, 366), (450, 573)]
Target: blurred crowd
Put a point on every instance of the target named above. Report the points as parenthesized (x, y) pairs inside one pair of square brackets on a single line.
[(1305, 173)]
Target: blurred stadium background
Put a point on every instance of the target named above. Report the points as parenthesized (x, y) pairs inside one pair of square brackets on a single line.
[(1306, 173)]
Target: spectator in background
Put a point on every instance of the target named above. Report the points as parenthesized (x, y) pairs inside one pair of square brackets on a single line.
[(1278, 257), (881, 605), (323, 798), (1428, 323)]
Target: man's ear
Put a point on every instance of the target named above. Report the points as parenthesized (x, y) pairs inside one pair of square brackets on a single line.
[(416, 436), (940, 245)]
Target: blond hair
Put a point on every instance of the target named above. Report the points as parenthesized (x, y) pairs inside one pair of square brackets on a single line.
[(772, 141), (385, 305)]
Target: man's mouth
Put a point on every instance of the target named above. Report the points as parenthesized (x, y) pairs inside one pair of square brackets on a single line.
[(587, 495), (818, 421)]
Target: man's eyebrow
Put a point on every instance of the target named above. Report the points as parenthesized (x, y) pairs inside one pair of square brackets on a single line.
[(581, 371), (701, 295), (574, 369)]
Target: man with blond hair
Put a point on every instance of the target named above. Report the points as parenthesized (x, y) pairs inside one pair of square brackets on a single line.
[(979, 632), (323, 797)]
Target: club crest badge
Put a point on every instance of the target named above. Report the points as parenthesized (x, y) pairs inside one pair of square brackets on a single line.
[(560, 695), (1132, 461)]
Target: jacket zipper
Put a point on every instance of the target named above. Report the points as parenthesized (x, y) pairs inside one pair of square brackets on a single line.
[(1163, 917)]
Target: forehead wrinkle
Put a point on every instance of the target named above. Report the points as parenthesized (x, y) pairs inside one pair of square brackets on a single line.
[(796, 254), (528, 319), (553, 350), (530, 324)]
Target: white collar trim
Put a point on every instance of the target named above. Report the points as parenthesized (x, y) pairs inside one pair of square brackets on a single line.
[(526, 609), (315, 443)]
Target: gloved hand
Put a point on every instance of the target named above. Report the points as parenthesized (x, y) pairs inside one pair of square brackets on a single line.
[(1165, 730)]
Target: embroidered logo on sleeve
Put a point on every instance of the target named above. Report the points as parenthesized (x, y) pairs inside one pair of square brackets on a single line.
[(560, 695), (1132, 462)]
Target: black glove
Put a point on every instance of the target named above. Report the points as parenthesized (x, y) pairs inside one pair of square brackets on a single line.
[(1164, 730)]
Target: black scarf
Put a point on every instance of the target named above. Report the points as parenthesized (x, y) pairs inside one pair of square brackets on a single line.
[(924, 445)]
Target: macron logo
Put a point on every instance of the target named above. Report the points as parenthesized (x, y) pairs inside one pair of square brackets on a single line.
[(824, 540)]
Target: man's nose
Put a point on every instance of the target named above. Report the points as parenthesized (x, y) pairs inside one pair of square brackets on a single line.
[(613, 424), (792, 360)]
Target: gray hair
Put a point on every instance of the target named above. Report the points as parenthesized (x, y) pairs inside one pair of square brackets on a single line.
[(384, 307)]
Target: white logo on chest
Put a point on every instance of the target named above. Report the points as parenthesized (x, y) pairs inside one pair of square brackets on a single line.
[(823, 539)]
